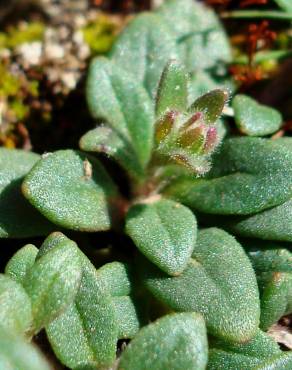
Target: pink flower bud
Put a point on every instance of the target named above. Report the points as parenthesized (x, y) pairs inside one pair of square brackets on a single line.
[(164, 126), (211, 139)]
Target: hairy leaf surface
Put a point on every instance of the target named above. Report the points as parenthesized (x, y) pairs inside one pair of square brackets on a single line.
[(15, 306), (254, 119), (245, 356), (144, 48), (21, 262), (52, 283), (72, 189), (119, 98), (176, 342), (248, 176), (219, 282), (165, 232), (16, 353)]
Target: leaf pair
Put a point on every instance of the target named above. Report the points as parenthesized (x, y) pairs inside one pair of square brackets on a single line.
[(88, 324), (51, 281), (218, 282), (248, 175)]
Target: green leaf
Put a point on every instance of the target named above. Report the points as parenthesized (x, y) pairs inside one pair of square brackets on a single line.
[(276, 298), (273, 265), (144, 48), (88, 325), (117, 277), (130, 316), (15, 307), (211, 105), (17, 354), (52, 283), (172, 92), (254, 119), (242, 356), (165, 232), (18, 219), (118, 98), (285, 4), (240, 180), (282, 362), (72, 190), (105, 140), (200, 38), (21, 262), (176, 341), (269, 256), (271, 224), (218, 270)]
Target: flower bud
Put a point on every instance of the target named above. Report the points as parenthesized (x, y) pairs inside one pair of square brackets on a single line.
[(194, 138), (164, 126), (211, 139), (194, 118)]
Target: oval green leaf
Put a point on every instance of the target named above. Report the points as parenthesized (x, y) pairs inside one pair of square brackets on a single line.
[(165, 232), (254, 119), (218, 270), (176, 342), (72, 190), (52, 283), (118, 98)]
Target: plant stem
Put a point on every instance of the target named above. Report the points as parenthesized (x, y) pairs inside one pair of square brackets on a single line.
[(262, 56), (268, 14)]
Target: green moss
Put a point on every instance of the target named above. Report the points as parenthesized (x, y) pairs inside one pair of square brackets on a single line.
[(9, 83), (100, 35), (20, 34)]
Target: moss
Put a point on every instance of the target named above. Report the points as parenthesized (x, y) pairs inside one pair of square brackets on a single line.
[(9, 84), (22, 33), (100, 34)]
